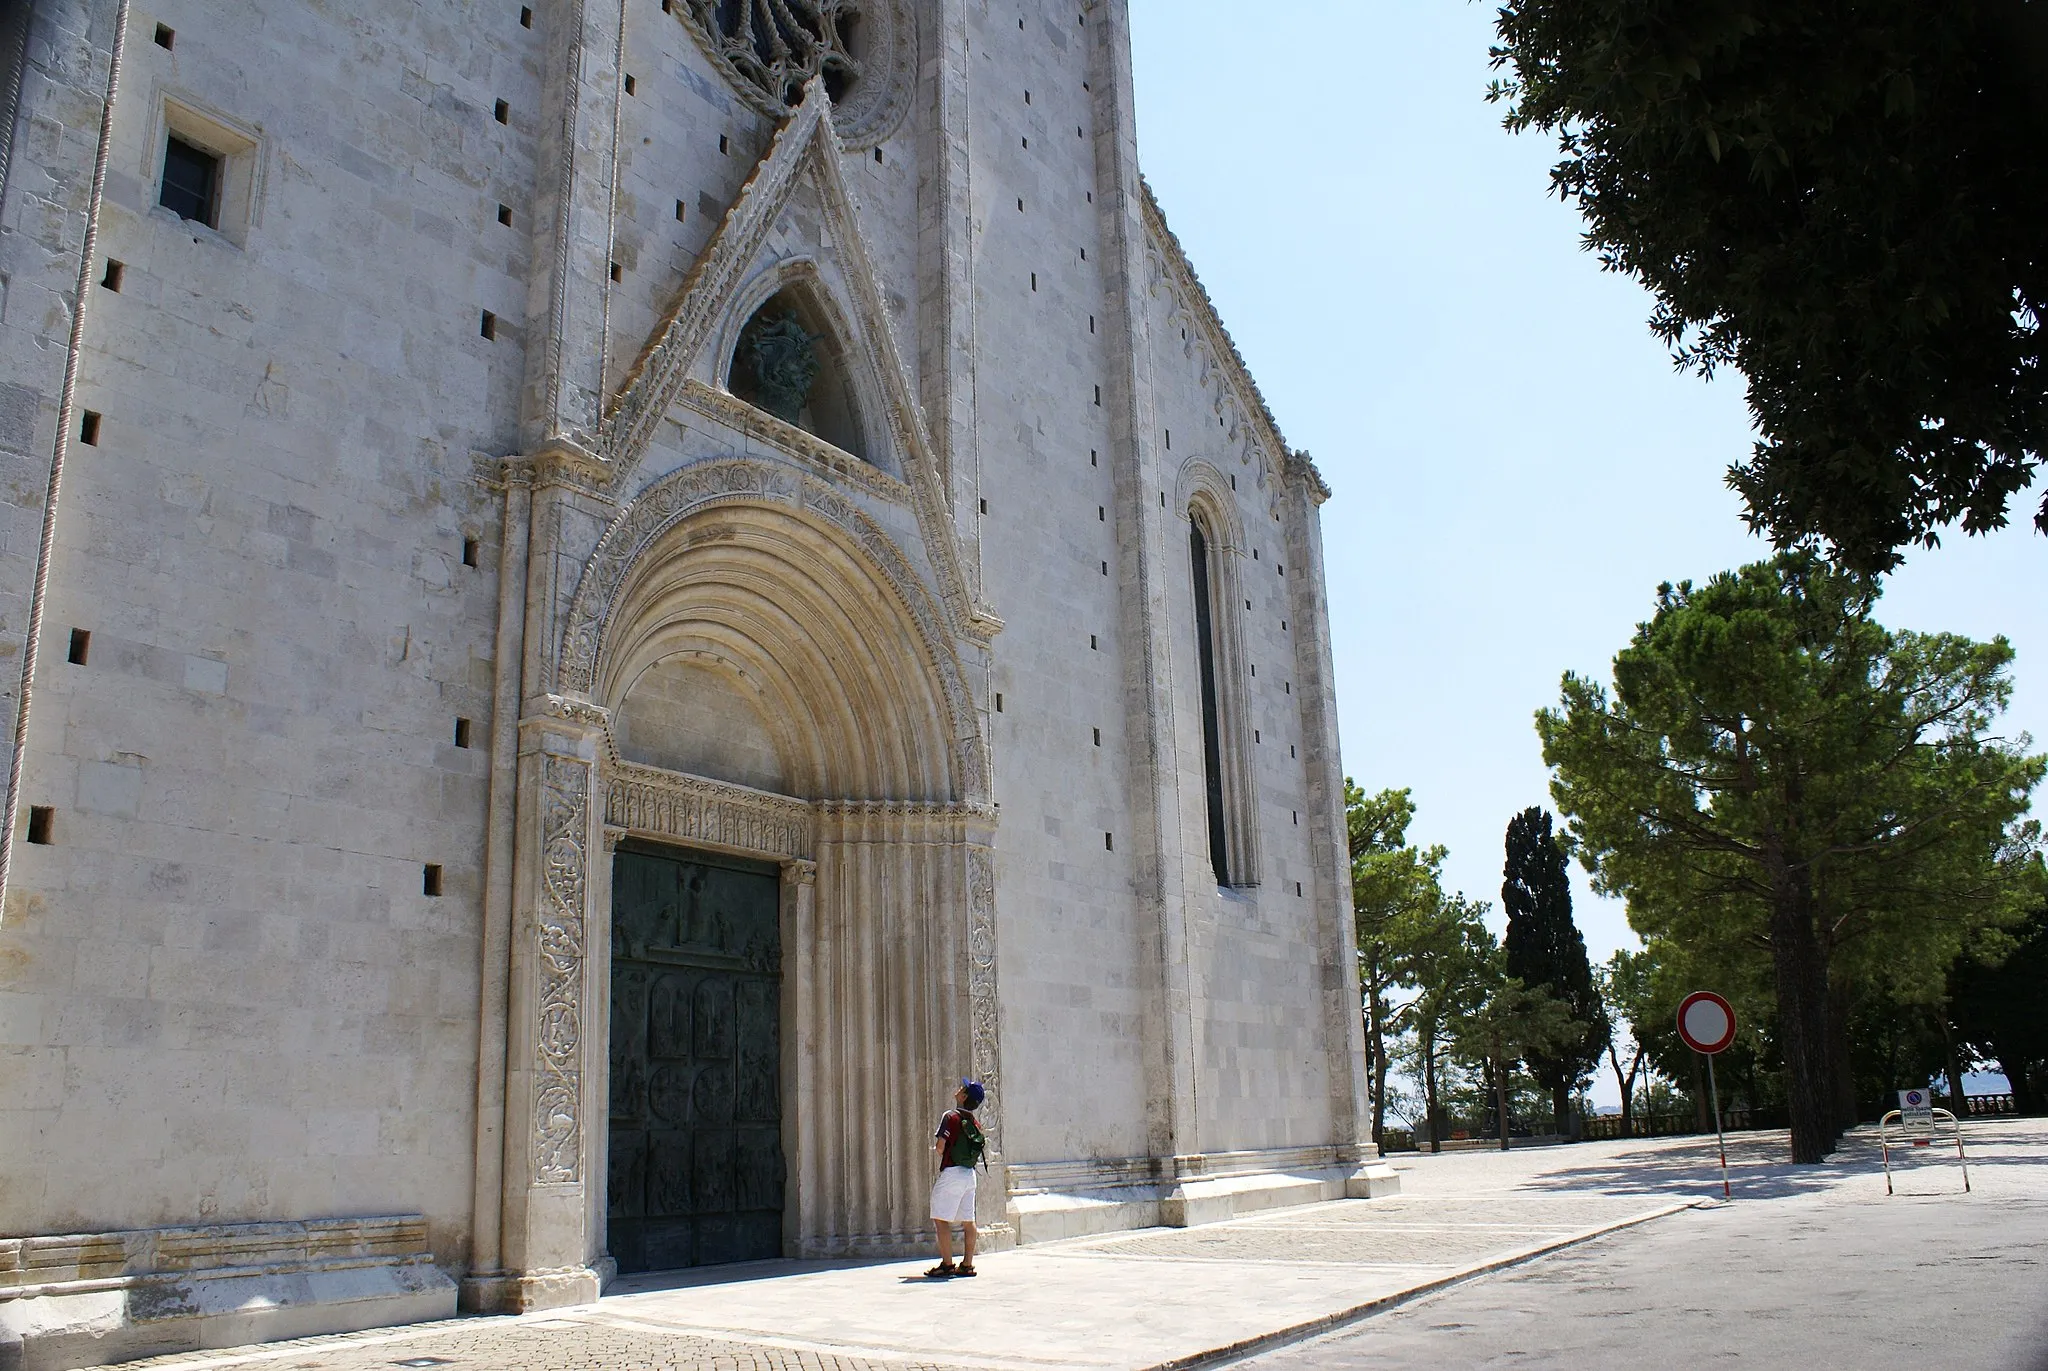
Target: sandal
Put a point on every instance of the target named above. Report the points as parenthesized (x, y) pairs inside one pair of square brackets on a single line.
[(942, 1271), (965, 1271)]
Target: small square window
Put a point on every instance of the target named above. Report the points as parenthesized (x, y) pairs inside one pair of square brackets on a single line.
[(526, 16), (999, 702), (1092, 647), (117, 272), (211, 169), (89, 429), (1098, 737), (632, 86), (984, 506), (489, 325), (878, 155), (165, 36), (471, 547), (81, 644), (1109, 842), (505, 215), (724, 144), (191, 182), (430, 879), (501, 112), (680, 211), (1091, 451), (41, 819), (462, 733), (618, 272)]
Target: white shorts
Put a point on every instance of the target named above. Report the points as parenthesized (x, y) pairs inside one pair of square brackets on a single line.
[(953, 1195)]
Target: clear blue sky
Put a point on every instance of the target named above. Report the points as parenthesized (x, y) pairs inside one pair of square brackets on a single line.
[(1516, 463)]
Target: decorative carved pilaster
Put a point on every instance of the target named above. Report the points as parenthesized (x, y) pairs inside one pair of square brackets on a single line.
[(984, 1050), (558, 1042)]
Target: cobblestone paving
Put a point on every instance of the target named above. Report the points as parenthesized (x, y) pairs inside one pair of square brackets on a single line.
[(525, 1345)]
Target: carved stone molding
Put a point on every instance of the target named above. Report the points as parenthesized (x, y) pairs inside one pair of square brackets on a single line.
[(694, 809), (737, 414), (1301, 470), (569, 710), (558, 1040)]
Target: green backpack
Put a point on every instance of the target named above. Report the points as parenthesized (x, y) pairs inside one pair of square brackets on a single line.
[(966, 1149)]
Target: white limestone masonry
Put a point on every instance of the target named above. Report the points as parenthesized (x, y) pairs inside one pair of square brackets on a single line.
[(438, 420)]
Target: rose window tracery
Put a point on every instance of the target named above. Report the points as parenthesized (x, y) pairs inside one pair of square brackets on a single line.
[(781, 44), (771, 49)]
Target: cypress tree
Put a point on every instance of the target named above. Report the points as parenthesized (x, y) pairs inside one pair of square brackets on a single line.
[(1546, 952)]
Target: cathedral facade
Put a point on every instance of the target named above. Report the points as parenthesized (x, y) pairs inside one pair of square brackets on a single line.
[(604, 599)]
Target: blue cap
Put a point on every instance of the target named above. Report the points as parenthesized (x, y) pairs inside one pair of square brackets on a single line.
[(975, 1094)]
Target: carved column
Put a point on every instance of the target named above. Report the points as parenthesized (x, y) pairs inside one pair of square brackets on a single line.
[(804, 1181), (553, 1035)]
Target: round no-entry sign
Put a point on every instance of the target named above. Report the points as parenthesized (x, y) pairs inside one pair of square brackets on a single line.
[(1706, 1022)]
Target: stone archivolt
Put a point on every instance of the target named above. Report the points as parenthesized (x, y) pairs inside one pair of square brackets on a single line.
[(788, 566)]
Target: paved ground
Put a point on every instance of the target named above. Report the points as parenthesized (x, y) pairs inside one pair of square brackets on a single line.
[(1144, 1300), (1815, 1270)]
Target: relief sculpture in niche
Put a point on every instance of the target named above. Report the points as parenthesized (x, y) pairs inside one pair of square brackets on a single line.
[(557, 1125)]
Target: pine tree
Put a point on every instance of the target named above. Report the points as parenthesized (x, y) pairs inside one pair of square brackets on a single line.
[(1546, 952)]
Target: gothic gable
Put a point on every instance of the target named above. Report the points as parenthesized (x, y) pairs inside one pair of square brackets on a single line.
[(795, 234)]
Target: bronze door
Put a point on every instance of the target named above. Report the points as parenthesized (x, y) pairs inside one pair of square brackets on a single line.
[(696, 1166)]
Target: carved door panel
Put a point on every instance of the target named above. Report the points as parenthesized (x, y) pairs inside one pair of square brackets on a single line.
[(696, 1166)]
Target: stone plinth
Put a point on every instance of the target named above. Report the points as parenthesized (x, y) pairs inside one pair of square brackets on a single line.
[(93, 1298)]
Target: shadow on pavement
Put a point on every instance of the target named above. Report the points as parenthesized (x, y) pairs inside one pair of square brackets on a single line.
[(1757, 1165), (691, 1278)]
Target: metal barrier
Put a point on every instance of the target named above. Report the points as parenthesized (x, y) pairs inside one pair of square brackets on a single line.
[(1884, 1137)]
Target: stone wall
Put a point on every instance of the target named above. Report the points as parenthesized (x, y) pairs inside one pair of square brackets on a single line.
[(466, 277)]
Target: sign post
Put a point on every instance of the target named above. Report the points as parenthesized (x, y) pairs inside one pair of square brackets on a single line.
[(1707, 1024)]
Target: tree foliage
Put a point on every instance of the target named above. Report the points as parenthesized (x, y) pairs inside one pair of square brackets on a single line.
[(1394, 891), (1843, 201), (1780, 786), (1507, 1022), (1545, 951)]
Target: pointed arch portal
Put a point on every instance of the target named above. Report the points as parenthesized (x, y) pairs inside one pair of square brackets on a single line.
[(816, 663)]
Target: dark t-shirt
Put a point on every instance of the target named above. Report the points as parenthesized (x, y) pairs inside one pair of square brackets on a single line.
[(951, 1130)]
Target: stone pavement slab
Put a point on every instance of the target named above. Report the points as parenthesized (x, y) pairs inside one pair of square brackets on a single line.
[(1115, 1302)]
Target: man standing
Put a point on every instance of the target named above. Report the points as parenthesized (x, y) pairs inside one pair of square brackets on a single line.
[(959, 1149)]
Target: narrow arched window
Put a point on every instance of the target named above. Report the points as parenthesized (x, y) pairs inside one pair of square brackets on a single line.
[(1212, 719), (1230, 792)]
